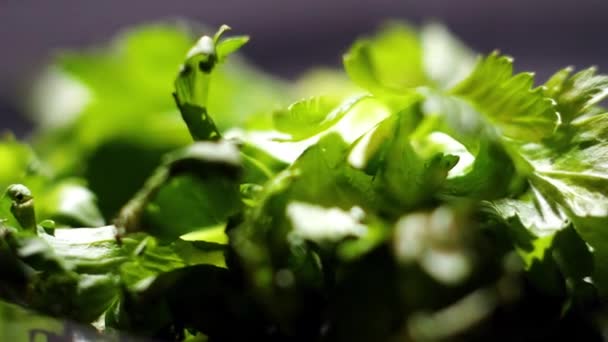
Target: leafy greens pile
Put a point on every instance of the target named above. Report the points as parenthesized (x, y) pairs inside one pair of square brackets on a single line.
[(424, 194)]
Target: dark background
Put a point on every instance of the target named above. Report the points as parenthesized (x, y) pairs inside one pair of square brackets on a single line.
[(291, 36)]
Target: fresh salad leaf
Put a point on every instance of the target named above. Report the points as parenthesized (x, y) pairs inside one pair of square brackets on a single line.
[(416, 195)]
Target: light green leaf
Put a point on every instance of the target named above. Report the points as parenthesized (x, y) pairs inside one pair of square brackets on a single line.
[(229, 45), (390, 62), (192, 89), (572, 173), (508, 101), (311, 116), (216, 235), (304, 118), (576, 94), (359, 114), (491, 175), (485, 169), (194, 80), (540, 216)]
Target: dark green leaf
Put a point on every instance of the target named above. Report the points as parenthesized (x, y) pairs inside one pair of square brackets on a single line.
[(187, 203)]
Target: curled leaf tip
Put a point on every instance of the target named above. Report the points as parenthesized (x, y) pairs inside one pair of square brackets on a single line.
[(223, 29), (22, 207), (19, 193), (204, 46)]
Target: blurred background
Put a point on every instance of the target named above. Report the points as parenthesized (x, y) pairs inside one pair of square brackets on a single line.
[(289, 37)]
